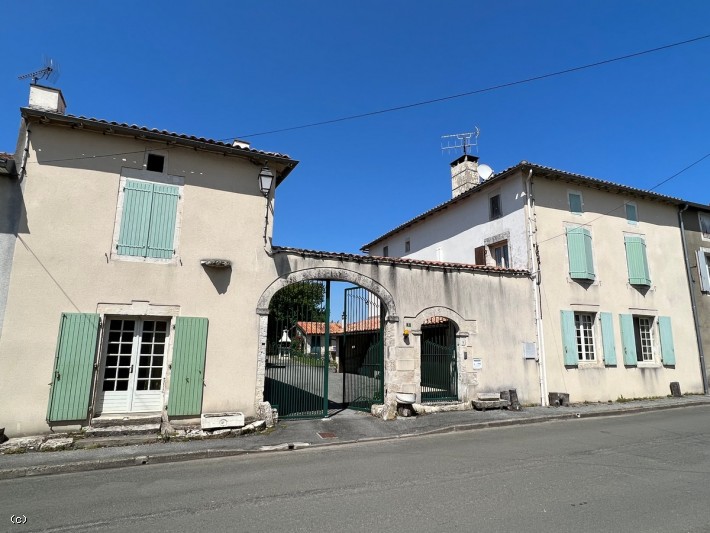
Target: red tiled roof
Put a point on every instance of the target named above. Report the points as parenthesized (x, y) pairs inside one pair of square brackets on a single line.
[(368, 324), (318, 328), (397, 261)]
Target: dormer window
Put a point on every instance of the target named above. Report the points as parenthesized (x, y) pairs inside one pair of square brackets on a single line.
[(155, 163)]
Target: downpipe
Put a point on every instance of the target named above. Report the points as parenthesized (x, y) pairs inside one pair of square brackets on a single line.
[(535, 277)]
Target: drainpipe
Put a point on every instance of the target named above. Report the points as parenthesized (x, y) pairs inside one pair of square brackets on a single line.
[(692, 300), (535, 277)]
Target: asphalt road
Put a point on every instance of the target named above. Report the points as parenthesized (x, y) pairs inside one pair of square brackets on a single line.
[(642, 473)]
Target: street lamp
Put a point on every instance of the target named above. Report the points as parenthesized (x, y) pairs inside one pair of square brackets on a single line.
[(266, 178)]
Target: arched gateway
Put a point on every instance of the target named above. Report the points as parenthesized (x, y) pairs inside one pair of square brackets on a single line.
[(310, 366)]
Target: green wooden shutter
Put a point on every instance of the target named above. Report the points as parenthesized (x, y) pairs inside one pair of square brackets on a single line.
[(628, 341), (636, 260), (608, 339), (135, 219), (162, 221), (569, 338), (667, 349), (73, 367), (579, 249), (188, 366)]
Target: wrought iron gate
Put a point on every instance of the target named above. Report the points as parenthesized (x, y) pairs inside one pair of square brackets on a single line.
[(296, 355), (362, 356), (438, 363), (315, 367)]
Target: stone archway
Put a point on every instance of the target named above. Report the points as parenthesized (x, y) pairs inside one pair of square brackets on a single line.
[(465, 329), (320, 273)]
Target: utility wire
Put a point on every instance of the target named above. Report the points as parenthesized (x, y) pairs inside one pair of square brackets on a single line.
[(691, 165), (422, 103), (476, 91)]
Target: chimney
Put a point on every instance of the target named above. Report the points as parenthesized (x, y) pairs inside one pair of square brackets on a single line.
[(244, 145), (47, 99), (464, 174)]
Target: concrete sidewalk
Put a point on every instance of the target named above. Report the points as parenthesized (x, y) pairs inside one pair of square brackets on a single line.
[(345, 427)]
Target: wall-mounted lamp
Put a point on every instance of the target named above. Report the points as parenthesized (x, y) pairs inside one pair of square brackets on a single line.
[(266, 178)]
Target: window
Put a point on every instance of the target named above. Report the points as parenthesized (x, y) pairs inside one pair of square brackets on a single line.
[(385, 251), (499, 252), (579, 251), (584, 329), (703, 257), (155, 163), (575, 202), (636, 260), (643, 335), (148, 214), (495, 210), (705, 225), (407, 246), (631, 213)]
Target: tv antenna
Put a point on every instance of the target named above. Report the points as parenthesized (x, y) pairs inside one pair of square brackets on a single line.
[(49, 72), (460, 141)]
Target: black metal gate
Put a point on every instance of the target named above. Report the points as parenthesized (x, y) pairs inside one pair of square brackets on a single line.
[(438, 363), (315, 367), (362, 354)]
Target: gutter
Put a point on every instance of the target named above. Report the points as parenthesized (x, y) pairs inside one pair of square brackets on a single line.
[(536, 280), (694, 308)]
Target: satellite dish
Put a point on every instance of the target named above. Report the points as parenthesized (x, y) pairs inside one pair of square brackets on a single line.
[(485, 172)]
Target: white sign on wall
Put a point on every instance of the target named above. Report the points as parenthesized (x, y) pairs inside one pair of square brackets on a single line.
[(477, 364)]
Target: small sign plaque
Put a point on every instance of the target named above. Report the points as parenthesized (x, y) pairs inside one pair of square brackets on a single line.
[(477, 364)]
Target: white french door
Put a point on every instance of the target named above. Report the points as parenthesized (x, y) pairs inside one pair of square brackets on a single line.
[(133, 366)]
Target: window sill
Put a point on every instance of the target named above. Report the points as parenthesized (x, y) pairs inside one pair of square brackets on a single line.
[(150, 260), (649, 365), (590, 364)]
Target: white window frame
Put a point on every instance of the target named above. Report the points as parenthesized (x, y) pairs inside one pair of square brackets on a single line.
[(626, 213), (705, 216), (499, 246), (584, 326), (703, 266), (570, 192), (154, 177), (646, 350)]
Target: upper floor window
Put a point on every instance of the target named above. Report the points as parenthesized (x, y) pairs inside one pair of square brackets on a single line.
[(631, 213), (155, 163), (705, 225), (148, 214), (385, 251), (499, 252), (407, 246), (703, 261), (575, 202), (579, 251), (636, 260), (494, 205)]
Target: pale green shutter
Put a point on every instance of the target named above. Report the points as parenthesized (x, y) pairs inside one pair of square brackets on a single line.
[(188, 366), (628, 341), (636, 260), (73, 367), (703, 273), (135, 219), (162, 221), (579, 249), (569, 338), (667, 349), (608, 339)]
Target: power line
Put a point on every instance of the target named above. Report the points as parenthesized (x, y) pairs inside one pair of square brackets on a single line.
[(476, 91), (607, 213)]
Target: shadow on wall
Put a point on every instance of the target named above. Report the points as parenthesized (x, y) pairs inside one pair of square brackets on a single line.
[(220, 277), (13, 215)]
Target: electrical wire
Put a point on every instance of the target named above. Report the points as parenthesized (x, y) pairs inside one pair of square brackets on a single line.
[(607, 213), (476, 91)]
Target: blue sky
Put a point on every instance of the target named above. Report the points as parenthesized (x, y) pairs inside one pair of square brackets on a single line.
[(226, 69)]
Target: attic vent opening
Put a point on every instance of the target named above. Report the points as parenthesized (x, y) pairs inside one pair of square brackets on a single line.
[(155, 163)]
